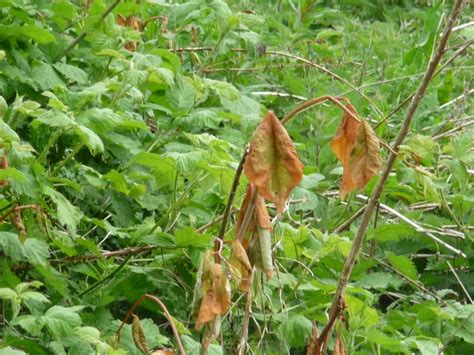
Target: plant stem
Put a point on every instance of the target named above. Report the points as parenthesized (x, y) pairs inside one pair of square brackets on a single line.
[(356, 246), (230, 202), (109, 276), (68, 158), (52, 139), (248, 310), (84, 34)]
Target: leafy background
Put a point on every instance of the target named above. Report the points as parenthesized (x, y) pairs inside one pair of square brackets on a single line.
[(120, 150)]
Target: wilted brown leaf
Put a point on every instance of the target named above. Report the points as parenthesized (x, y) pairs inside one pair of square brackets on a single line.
[(342, 145), (138, 335), (365, 158), (239, 253), (216, 299), (357, 147), (272, 163)]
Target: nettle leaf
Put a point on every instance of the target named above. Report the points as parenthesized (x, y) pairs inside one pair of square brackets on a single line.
[(66, 213), (297, 330), (357, 147), (55, 119), (61, 321), (36, 251), (404, 265), (72, 72), (38, 34), (272, 163), (91, 140)]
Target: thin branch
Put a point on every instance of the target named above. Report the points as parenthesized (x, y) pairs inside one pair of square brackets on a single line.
[(416, 226), (413, 282), (248, 310), (357, 243), (228, 208), (334, 75), (457, 99), (278, 94), (84, 33), (465, 320), (460, 282), (407, 99), (166, 313)]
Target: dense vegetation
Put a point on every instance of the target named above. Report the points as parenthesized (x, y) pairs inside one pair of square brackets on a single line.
[(122, 124)]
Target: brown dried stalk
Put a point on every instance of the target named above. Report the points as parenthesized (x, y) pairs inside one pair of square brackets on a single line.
[(356, 246)]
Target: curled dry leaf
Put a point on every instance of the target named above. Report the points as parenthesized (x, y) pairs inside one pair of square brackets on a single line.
[(357, 147), (259, 225), (138, 335), (339, 348), (265, 241), (342, 145), (239, 253), (241, 263), (365, 158), (272, 163), (215, 293)]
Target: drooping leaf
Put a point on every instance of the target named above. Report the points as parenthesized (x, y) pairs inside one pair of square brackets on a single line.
[(342, 145), (240, 254), (272, 163), (216, 300), (138, 335), (357, 147), (365, 158)]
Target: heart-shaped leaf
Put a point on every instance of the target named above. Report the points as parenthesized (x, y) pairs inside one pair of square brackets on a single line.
[(272, 163)]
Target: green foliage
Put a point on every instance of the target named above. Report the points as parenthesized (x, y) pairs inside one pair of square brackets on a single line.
[(115, 153)]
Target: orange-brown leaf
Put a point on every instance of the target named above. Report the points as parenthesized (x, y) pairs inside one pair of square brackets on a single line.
[(342, 145), (239, 253), (216, 300), (260, 216), (272, 163), (365, 158)]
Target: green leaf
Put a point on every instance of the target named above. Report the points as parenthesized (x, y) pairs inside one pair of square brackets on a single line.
[(404, 265), (91, 140), (7, 293), (297, 330), (12, 174), (390, 232), (55, 119), (45, 76), (72, 72), (61, 321), (380, 280), (188, 237), (66, 213), (12, 246), (37, 34), (36, 251)]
